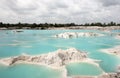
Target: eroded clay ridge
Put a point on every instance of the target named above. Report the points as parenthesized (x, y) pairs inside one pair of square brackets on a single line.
[(77, 34), (56, 59)]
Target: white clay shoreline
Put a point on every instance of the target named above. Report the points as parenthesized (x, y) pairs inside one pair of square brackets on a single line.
[(86, 28), (56, 59), (68, 35), (117, 36), (71, 55), (114, 50)]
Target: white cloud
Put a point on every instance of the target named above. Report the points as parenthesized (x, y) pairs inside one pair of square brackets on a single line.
[(59, 11)]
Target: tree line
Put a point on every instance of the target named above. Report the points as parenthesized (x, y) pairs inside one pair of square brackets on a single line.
[(47, 25)]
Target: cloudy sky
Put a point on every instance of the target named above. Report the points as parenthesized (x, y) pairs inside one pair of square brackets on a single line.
[(59, 11)]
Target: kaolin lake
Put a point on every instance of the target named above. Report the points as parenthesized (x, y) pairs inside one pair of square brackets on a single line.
[(35, 42)]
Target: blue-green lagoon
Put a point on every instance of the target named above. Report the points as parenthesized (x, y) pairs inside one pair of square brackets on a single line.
[(35, 42), (84, 69), (29, 71)]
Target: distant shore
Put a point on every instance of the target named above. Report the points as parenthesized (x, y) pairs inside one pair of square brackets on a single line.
[(65, 28), (87, 27)]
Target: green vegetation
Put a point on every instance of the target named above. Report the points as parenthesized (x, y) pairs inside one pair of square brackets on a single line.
[(46, 25)]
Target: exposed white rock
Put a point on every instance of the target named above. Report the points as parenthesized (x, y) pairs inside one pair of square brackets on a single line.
[(115, 50), (54, 59), (19, 30), (57, 59), (77, 34), (110, 75), (85, 27), (117, 36)]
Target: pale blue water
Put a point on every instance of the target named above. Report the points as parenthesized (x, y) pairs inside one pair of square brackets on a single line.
[(41, 41), (28, 71), (84, 69)]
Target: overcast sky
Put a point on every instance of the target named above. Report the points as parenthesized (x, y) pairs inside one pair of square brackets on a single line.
[(59, 11)]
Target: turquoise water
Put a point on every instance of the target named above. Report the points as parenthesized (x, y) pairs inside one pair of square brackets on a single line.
[(41, 41), (84, 69), (28, 71)]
